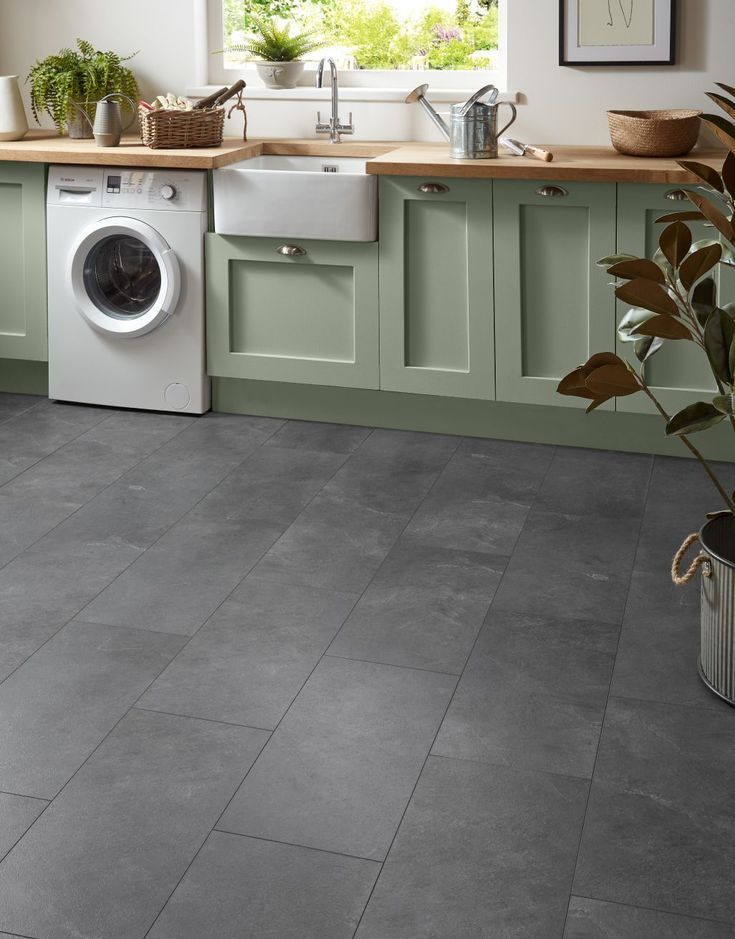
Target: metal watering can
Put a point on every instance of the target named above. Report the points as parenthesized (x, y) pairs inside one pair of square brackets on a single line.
[(473, 131), (108, 126)]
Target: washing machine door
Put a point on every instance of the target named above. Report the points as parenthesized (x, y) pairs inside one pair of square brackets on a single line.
[(125, 277)]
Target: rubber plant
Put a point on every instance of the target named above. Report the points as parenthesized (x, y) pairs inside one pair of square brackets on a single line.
[(78, 76), (673, 298)]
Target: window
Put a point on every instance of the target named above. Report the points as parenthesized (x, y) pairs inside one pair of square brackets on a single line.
[(449, 43)]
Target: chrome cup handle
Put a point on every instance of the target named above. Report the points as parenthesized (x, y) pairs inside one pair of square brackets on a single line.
[(511, 121)]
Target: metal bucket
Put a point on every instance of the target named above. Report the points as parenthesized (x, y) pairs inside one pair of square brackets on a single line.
[(717, 649), (474, 135)]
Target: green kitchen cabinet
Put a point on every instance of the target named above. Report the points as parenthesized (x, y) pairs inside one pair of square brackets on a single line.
[(293, 311), (678, 374), (553, 307), (23, 329), (436, 287)]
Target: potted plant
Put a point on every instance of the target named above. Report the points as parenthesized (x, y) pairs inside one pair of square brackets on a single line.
[(277, 53), (68, 85), (673, 297)]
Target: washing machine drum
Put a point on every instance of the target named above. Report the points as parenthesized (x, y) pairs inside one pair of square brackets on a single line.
[(125, 277)]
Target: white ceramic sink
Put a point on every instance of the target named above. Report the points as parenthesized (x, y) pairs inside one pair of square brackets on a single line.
[(297, 197)]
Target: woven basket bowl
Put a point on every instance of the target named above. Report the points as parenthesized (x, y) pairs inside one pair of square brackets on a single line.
[(654, 133), (174, 130)]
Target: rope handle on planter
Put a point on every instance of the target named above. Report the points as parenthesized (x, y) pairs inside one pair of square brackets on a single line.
[(700, 560)]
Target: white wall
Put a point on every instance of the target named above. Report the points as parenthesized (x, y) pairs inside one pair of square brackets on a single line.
[(560, 105)]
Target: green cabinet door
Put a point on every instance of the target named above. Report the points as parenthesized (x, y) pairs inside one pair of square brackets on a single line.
[(678, 374), (552, 306), (23, 261), (436, 287), (303, 312)]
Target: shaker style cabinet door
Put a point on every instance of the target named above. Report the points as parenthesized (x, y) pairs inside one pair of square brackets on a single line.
[(553, 307), (23, 261), (678, 373), (436, 287), (301, 311)]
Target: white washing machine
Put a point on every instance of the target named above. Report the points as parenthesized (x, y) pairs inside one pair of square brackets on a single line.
[(126, 287)]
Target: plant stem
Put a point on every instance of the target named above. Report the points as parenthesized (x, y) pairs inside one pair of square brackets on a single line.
[(690, 446)]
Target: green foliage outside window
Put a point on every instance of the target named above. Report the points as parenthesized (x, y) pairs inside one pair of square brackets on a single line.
[(374, 36)]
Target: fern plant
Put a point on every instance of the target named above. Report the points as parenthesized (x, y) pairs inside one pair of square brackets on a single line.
[(274, 43), (83, 76)]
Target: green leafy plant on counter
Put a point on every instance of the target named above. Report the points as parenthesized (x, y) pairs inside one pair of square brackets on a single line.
[(83, 76), (673, 298), (274, 43)]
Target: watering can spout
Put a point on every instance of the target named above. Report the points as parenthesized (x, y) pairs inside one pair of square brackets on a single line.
[(419, 94)]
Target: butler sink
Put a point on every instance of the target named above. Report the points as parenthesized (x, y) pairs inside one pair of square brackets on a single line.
[(297, 197)]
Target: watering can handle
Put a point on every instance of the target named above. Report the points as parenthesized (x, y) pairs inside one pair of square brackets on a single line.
[(133, 109), (512, 120), (82, 112)]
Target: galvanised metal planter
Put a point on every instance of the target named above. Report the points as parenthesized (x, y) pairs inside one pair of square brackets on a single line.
[(717, 563)]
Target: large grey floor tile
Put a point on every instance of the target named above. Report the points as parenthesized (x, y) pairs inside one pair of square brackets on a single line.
[(244, 888), (600, 483), (333, 543), (424, 608), (533, 695), (660, 827), (570, 567), (59, 704), (11, 405), (593, 919), (482, 852), (250, 660), (393, 470), (179, 582), (313, 435), (496, 469), (274, 484), (17, 814), (107, 853), (659, 643), (36, 433), (338, 772)]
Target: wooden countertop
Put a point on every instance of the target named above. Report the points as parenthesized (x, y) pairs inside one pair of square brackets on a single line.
[(583, 164)]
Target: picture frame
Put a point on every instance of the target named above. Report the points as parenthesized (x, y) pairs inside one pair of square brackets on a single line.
[(617, 32)]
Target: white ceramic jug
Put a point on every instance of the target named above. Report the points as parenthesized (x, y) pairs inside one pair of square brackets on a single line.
[(13, 122)]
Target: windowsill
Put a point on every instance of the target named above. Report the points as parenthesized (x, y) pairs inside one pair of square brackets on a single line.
[(347, 93)]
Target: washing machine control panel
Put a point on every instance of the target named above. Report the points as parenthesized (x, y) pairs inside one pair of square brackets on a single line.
[(154, 189)]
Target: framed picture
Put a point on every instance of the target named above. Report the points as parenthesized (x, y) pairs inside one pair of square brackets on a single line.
[(617, 32)]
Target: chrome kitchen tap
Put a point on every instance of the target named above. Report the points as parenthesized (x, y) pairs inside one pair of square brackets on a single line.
[(333, 127)]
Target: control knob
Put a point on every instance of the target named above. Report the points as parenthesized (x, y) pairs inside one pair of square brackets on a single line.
[(168, 192)]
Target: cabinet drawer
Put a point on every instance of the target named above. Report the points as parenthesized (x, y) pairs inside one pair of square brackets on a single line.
[(436, 287), (302, 312), (553, 307)]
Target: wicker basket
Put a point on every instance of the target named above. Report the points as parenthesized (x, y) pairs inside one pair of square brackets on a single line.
[(654, 133), (173, 130)]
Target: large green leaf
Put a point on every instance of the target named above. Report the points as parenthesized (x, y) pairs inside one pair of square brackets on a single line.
[(692, 419), (611, 259), (712, 214), (728, 88), (722, 129), (664, 327), (675, 242), (646, 294), (719, 333), (690, 216), (704, 299), (613, 381), (704, 172), (725, 404), (629, 324), (574, 385), (638, 267), (722, 102), (699, 263)]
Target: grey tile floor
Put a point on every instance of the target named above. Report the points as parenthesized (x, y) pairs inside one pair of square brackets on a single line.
[(297, 681)]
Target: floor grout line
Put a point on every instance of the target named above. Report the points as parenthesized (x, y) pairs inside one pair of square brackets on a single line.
[(194, 717), (295, 844), (410, 668), (655, 909), (609, 688)]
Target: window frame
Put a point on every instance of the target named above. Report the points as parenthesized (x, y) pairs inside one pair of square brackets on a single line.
[(211, 70)]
